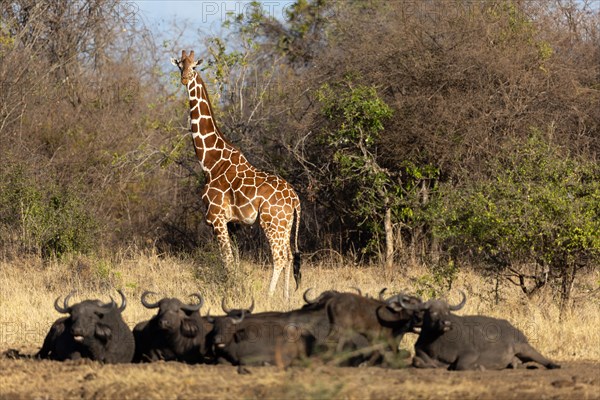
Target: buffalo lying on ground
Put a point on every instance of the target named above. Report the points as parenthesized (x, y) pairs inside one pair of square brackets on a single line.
[(469, 342), (269, 338), (333, 320), (176, 333), (259, 340), (367, 327), (93, 330)]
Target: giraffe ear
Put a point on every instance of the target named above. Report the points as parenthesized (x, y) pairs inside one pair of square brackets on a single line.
[(175, 61), (196, 63)]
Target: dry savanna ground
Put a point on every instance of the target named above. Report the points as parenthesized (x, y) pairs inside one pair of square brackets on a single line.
[(29, 287)]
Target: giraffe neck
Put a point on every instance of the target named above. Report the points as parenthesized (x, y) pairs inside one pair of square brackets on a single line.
[(212, 148)]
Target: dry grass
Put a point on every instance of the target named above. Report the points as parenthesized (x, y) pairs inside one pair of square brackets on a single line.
[(29, 287)]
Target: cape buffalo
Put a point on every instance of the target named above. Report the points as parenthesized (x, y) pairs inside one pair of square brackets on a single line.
[(259, 339), (93, 330), (275, 338), (359, 322), (469, 342), (176, 333)]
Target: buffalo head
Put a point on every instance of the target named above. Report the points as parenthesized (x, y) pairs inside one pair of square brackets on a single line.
[(174, 315), (395, 314), (87, 319), (434, 312), (224, 328)]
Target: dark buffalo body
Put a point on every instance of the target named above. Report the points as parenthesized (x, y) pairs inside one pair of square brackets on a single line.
[(331, 319), (361, 322), (93, 330), (260, 339), (470, 342), (275, 338), (176, 333)]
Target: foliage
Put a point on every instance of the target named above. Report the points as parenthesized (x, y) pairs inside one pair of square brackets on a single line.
[(437, 281), (94, 103), (360, 113), (356, 116), (299, 39), (541, 205), (50, 220)]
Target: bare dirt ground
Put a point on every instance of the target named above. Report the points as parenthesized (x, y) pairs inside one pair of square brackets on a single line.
[(27, 379)]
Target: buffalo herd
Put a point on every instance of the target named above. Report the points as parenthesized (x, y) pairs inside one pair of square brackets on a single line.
[(339, 328)]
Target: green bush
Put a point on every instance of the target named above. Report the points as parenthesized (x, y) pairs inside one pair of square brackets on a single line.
[(363, 185), (41, 217), (540, 205), (437, 281)]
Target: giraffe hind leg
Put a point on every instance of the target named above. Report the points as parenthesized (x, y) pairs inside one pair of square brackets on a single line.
[(220, 228), (274, 279), (286, 290), (281, 261), (265, 220)]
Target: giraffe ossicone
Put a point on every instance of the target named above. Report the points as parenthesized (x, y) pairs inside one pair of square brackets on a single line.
[(236, 191)]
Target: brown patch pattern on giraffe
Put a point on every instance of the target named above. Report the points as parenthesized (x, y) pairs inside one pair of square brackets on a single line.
[(235, 190)]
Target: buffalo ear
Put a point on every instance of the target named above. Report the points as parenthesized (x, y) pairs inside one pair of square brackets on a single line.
[(240, 336), (188, 328), (103, 332)]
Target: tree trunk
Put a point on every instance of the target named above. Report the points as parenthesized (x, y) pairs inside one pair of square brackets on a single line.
[(567, 280), (434, 249), (389, 241)]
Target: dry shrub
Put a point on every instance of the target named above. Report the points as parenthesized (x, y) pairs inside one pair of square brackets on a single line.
[(29, 287)]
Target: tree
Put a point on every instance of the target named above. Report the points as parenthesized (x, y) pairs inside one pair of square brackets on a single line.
[(373, 195), (540, 208)]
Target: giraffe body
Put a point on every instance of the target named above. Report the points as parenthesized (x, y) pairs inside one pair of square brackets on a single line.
[(236, 191)]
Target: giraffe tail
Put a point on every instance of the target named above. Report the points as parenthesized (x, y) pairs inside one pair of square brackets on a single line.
[(297, 272)]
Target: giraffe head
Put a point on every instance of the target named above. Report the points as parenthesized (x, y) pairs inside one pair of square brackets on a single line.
[(186, 65)]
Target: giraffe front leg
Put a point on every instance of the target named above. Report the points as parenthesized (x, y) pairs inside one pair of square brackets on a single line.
[(286, 289)]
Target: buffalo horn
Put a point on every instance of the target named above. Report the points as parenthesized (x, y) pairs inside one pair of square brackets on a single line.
[(194, 307), (305, 296), (251, 308), (411, 307), (381, 292), (145, 302), (225, 309), (65, 308), (357, 290), (238, 320), (123, 300), (113, 303), (58, 308), (209, 318), (459, 305), (110, 305)]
